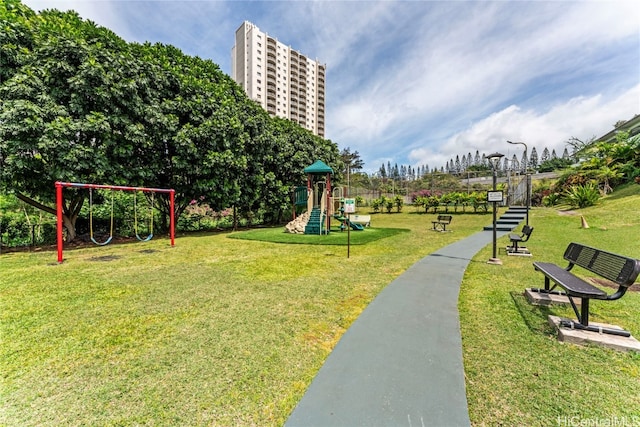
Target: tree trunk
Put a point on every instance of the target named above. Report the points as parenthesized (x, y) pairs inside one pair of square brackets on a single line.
[(70, 226)]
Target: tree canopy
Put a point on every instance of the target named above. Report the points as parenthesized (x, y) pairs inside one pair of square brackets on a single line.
[(82, 105)]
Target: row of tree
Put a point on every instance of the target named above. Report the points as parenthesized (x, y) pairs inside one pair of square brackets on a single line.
[(546, 162), (80, 104)]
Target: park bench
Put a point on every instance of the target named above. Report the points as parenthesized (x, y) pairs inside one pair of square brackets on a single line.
[(361, 219), (442, 222), (519, 238), (618, 269)]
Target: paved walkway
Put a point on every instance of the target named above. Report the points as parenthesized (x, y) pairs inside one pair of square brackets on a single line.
[(400, 363)]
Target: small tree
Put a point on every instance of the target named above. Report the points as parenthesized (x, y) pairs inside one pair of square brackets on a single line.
[(398, 201)]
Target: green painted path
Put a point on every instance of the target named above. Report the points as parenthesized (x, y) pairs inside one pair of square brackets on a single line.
[(400, 363)]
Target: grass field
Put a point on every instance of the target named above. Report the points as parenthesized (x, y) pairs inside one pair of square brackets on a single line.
[(230, 331), (517, 373)]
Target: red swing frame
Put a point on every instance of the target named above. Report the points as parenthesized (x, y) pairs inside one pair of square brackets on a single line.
[(59, 201)]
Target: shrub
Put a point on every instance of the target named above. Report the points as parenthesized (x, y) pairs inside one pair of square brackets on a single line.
[(375, 205), (551, 199), (582, 196), (398, 201)]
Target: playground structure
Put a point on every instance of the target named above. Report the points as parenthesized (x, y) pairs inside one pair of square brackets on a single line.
[(91, 187), (322, 202)]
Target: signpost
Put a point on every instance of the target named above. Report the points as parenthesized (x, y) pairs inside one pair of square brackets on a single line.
[(495, 196), (349, 208)]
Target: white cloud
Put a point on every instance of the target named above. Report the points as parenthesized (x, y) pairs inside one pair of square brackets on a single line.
[(420, 82), (581, 117)]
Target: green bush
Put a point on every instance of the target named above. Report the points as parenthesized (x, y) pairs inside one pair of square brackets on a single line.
[(582, 196), (551, 199), (23, 225), (398, 201)]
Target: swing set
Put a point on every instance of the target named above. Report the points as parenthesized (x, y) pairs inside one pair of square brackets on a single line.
[(91, 187)]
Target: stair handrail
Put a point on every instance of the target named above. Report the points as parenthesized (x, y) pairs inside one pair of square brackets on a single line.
[(323, 209)]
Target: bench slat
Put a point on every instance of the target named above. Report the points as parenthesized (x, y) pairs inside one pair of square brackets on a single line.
[(617, 268), (574, 285)]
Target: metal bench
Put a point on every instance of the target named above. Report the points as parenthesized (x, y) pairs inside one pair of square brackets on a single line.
[(618, 269), (519, 238), (442, 222), (361, 219)]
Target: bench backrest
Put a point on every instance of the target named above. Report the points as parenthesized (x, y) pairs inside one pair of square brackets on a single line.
[(617, 268), (526, 232), (445, 218)]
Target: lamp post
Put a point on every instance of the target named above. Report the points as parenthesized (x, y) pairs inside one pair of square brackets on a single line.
[(495, 197), (526, 178)]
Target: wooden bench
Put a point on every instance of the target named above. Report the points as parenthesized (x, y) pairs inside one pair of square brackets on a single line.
[(361, 219), (618, 269), (442, 222), (519, 238)]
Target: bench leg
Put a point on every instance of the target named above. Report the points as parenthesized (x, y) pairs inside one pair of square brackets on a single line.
[(584, 318), (583, 314), (583, 321)]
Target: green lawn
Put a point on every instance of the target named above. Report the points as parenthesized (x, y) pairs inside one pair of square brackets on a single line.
[(517, 372), (220, 330), (214, 331)]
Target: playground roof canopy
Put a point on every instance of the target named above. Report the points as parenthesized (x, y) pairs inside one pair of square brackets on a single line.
[(318, 167)]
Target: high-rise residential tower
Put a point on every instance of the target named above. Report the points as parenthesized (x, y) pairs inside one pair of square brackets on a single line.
[(285, 82)]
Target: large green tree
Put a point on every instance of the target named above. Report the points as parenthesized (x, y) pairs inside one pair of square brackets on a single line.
[(81, 105)]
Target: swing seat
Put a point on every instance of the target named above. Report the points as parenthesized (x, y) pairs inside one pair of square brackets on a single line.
[(146, 239), (101, 243), (91, 220)]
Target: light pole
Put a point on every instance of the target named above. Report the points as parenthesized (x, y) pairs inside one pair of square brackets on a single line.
[(495, 197), (526, 178)]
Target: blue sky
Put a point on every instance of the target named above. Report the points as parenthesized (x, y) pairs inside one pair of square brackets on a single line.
[(419, 82)]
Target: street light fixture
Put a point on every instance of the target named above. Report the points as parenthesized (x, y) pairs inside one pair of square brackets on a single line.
[(495, 197), (526, 178)]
